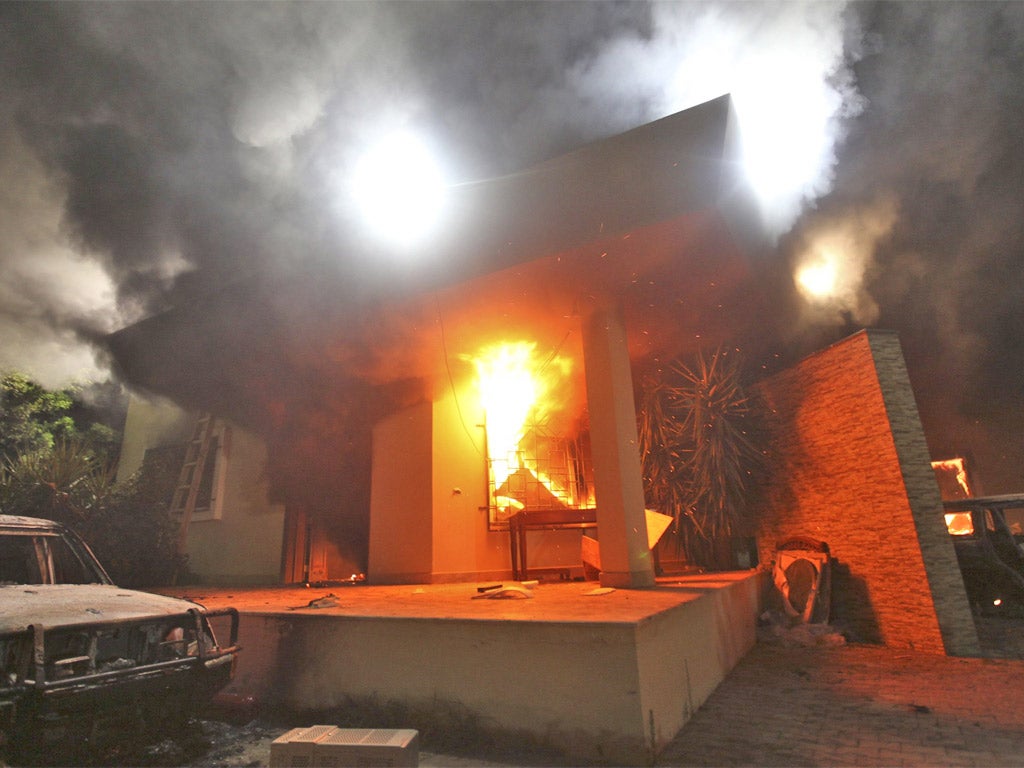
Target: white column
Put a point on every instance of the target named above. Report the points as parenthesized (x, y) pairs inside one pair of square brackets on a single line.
[(626, 560)]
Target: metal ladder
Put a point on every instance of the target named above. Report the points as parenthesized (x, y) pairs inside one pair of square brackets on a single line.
[(183, 502)]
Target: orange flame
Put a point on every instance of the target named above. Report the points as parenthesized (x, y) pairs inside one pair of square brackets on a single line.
[(516, 389)]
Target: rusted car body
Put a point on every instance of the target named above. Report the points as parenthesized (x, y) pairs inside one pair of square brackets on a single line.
[(84, 662)]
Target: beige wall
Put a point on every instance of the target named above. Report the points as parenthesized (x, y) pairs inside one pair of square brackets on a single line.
[(240, 541), (428, 508), (150, 423), (244, 545), (463, 546), (682, 656), (606, 691), (401, 529)]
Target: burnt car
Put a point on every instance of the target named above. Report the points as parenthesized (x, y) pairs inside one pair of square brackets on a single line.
[(84, 663), (986, 533)]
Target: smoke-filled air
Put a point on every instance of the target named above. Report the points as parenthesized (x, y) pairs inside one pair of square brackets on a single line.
[(150, 152)]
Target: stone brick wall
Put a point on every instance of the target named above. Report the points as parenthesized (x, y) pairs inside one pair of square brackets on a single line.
[(851, 467)]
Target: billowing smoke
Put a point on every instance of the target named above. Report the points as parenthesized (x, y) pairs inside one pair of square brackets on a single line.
[(936, 148), (155, 140), (153, 153), (785, 65)]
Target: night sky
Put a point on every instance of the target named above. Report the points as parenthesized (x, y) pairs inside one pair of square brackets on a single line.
[(147, 149)]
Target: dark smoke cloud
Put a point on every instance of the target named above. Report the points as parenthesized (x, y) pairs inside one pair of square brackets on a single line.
[(938, 146), (153, 151)]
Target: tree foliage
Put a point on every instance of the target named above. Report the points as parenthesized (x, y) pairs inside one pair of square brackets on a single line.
[(32, 418), (703, 446), (62, 468)]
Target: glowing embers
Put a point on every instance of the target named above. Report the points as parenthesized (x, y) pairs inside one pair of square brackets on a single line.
[(530, 465)]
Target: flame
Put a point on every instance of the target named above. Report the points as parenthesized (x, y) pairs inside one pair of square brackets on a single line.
[(517, 389), (508, 392), (959, 524), (957, 466)]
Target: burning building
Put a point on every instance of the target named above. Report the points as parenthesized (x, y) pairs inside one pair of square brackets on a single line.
[(398, 412), (407, 409)]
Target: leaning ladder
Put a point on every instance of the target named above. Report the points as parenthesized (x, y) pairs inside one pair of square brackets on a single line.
[(183, 502)]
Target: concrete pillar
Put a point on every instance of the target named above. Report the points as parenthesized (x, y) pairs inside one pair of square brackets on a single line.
[(618, 480)]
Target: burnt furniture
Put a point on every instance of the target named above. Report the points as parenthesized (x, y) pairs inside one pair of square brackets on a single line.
[(543, 520)]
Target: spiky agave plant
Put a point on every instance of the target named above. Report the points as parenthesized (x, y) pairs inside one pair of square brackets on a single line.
[(703, 449)]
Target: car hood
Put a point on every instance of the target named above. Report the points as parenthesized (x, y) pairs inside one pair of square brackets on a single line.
[(55, 605)]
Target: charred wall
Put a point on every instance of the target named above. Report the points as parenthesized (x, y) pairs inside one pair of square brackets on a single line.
[(851, 467)]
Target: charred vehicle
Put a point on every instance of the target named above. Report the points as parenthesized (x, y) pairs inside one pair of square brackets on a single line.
[(987, 535), (84, 662)]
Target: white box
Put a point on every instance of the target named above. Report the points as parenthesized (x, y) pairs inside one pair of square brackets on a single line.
[(326, 746)]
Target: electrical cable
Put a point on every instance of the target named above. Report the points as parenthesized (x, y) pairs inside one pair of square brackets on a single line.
[(451, 379)]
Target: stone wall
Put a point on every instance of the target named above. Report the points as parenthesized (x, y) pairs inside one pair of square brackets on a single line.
[(851, 467)]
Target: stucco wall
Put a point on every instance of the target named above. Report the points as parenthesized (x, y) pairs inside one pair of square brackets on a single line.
[(428, 509), (682, 656), (463, 547), (605, 691), (149, 424), (242, 543), (851, 467), (401, 523)]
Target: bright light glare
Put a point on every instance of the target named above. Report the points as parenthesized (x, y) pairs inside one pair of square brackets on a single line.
[(784, 128), (400, 190), (818, 279)]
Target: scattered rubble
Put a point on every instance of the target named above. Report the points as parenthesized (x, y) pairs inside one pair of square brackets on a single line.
[(777, 627), (329, 600)]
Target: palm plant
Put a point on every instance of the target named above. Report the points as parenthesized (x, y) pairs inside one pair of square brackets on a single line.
[(702, 445), (62, 482), (127, 524)]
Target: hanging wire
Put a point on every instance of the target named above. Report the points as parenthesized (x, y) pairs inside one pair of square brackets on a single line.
[(451, 380)]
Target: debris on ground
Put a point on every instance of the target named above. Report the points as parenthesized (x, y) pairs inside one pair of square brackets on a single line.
[(777, 627), (503, 593), (245, 745), (329, 600)]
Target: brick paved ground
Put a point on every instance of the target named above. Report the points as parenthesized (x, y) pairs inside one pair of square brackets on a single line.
[(854, 705), (860, 705)]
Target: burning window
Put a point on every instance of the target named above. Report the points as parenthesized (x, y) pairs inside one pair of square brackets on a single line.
[(959, 524), (538, 455), (550, 473)]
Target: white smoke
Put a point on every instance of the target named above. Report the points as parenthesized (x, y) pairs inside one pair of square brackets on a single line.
[(49, 291), (785, 66), (837, 257)]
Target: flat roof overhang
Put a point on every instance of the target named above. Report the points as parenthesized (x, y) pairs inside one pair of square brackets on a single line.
[(658, 217)]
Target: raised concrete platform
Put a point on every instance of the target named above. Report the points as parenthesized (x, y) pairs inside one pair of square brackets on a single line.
[(608, 677)]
